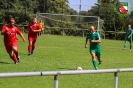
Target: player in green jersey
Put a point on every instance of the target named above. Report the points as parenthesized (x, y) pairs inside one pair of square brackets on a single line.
[(128, 37), (95, 48)]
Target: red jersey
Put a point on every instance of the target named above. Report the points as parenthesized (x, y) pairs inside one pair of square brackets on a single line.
[(11, 33), (33, 26)]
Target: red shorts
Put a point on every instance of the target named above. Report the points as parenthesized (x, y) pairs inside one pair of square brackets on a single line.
[(32, 39), (9, 46)]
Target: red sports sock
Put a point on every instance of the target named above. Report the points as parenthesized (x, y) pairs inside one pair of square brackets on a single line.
[(14, 58), (16, 53), (33, 47), (29, 48)]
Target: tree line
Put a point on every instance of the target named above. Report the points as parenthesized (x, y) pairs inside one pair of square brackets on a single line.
[(25, 10)]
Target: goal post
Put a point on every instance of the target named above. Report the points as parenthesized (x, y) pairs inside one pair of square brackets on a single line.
[(68, 24)]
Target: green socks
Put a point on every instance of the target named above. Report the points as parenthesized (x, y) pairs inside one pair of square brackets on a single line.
[(130, 47), (124, 46), (95, 64)]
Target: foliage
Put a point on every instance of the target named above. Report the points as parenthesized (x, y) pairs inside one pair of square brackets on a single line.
[(112, 21), (20, 9), (25, 10), (53, 6)]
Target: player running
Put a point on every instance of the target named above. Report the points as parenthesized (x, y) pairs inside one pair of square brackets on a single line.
[(10, 40), (33, 29), (95, 49), (128, 37)]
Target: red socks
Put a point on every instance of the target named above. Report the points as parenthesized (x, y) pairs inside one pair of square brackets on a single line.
[(14, 58), (29, 48)]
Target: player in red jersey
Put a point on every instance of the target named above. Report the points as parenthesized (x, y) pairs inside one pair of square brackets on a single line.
[(33, 29), (10, 40)]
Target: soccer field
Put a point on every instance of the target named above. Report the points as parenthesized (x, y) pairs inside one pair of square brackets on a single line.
[(56, 53)]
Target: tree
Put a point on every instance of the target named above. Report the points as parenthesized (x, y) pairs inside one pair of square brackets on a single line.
[(53, 6), (22, 10), (112, 21)]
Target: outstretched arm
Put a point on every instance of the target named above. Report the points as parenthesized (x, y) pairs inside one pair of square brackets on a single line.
[(21, 35)]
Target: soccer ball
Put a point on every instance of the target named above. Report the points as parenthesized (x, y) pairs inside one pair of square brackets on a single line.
[(79, 68)]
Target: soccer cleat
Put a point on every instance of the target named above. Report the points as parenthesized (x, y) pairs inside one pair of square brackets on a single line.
[(100, 62), (18, 58), (96, 68), (32, 52), (29, 53), (16, 62)]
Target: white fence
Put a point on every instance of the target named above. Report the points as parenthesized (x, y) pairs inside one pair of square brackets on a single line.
[(112, 32), (56, 74)]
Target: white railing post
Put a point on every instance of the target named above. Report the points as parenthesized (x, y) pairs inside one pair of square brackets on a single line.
[(104, 34), (83, 32), (98, 26), (116, 80), (56, 77)]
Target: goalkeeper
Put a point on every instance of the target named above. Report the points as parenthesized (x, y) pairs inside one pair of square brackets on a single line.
[(128, 37)]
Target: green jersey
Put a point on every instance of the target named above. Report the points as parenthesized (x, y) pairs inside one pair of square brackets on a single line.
[(94, 36), (128, 32)]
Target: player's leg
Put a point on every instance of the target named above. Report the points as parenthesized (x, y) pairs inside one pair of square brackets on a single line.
[(42, 30), (125, 44), (13, 56), (98, 54), (130, 40), (15, 50), (30, 46), (94, 60), (39, 33), (100, 60), (33, 46), (130, 45), (10, 52)]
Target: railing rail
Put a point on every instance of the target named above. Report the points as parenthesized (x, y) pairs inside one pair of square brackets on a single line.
[(56, 74)]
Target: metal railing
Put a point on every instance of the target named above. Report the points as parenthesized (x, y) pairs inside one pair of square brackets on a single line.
[(56, 74)]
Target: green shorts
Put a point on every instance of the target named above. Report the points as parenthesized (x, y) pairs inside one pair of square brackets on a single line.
[(129, 39), (96, 51)]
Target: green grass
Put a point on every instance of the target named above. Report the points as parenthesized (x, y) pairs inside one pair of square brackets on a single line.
[(56, 53)]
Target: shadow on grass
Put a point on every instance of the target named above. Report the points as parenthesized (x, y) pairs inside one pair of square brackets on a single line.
[(4, 62)]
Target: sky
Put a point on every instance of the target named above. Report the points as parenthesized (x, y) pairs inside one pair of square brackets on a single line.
[(85, 4)]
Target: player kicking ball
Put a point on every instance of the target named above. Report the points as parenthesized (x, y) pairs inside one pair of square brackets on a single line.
[(128, 37), (95, 48)]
